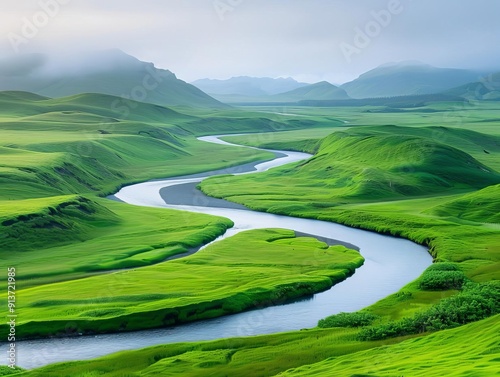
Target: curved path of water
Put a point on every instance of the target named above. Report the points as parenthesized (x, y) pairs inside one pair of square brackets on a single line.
[(390, 263)]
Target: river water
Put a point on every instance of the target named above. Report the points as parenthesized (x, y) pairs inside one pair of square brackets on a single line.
[(390, 263)]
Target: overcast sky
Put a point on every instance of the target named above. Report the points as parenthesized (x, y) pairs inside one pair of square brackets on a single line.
[(309, 40)]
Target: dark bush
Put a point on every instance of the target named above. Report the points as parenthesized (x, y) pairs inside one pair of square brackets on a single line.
[(356, 319), (475, 302), (440, 280), (443, 266)]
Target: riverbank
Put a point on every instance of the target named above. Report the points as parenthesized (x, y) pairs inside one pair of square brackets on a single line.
[(383, 273), (252, 269)]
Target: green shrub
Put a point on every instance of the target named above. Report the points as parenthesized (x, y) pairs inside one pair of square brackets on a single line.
[(443, 266), (442, 278), (475, 302), (356, 319), (6, 371)]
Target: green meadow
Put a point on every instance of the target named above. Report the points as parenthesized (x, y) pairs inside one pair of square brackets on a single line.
[(438, 186), (430, 174)]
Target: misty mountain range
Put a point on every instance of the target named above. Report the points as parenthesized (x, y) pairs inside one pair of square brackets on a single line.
[(109, 72), (113, 72)]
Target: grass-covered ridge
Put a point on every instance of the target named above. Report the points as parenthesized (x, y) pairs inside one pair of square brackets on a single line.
[(250, 269), (35, 223), (370, 164)]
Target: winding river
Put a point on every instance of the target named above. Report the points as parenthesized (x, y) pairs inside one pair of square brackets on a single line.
[(390, 263)]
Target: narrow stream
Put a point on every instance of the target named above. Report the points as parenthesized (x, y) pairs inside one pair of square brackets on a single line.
[(390, 263)]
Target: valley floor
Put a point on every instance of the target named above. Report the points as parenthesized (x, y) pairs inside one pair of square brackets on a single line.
[(428, 179)]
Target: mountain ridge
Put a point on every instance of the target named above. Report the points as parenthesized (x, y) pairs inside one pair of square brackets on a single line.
[(407, 78), (110, 72)]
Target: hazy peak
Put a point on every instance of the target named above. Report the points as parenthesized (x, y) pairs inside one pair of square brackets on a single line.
[(404, 63)]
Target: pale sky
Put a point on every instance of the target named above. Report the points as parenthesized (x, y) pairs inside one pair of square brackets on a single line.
[(309, 40)]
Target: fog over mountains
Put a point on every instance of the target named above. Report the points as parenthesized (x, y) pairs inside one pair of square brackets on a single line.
[(408, 78), (110, 72), (113, 72)]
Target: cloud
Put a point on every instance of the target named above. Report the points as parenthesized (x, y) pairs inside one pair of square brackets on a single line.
[(223, 38)]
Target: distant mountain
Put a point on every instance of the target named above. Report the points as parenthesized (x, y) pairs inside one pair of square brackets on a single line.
[(245, 86), (407, 78), (320, 91), (109, 72), (488, 88)]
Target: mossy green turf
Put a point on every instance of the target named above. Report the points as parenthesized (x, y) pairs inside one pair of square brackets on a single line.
[(252, 268), (470, 350)]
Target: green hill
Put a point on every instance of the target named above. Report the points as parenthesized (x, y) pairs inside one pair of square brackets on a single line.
[(81, 144), (480, 206), (32, 224), (369, 164)]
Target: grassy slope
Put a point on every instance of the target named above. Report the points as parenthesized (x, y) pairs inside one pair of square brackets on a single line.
[(378, 188), (471, 350), (375, 163), (481, 206), (65, 229), (254, 268), (55, 153)]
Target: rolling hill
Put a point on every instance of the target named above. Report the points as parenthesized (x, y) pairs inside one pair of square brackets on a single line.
[(407, 78), (109, 72)]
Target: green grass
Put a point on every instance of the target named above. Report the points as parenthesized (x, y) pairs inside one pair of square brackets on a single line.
[(364, 165), (393, 180), (395, 183), (470, 350), (253, 268), (481, 206), (87, 236), (81, 144)]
